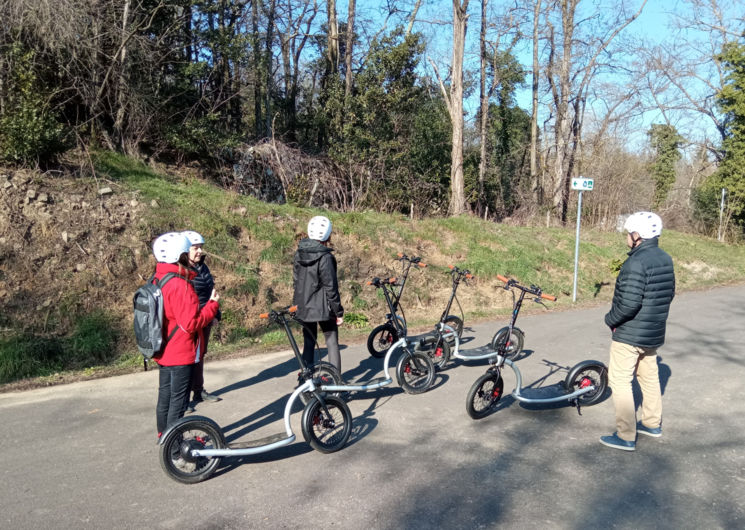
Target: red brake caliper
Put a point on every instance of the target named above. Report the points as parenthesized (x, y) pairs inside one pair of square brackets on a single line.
[(586, 381), (438, 352)]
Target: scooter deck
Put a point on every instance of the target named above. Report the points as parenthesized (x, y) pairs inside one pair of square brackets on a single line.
[(372, 384), (554, 392), (274, 438), (482, 352)]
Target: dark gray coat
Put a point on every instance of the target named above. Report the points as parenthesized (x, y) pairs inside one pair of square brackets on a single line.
[(316, 286), (641, 302)]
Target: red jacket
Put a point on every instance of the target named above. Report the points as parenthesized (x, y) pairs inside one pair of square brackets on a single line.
[(181, 309)]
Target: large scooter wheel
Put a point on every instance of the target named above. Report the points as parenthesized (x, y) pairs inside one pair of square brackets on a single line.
[(438, 350), (175, 449), (585, 374), (484, 395), (327, 429), (324, 374), (380, 339), (456, 323), (415, 372), (510, 343)]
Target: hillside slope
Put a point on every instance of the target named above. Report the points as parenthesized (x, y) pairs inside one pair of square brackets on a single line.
[(74, 249)]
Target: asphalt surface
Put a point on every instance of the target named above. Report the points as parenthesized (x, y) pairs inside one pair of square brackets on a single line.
[(84, 455)]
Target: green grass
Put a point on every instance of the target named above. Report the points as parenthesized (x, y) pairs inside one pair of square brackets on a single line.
[(28, 355), (233, 224)]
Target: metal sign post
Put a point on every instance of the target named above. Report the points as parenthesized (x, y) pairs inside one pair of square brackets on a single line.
[(721, 213), (581, 184)]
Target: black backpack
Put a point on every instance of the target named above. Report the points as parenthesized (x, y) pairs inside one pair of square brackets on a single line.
[(148, 318)]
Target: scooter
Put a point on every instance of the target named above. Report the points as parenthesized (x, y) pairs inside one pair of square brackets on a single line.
[(436, 345), (414, 371), (381, 338), (585, 383), (192, 448), (508, 341)]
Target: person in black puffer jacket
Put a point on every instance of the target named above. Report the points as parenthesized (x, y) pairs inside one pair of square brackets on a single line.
[(645, 287), (317, 291), (203, 284)]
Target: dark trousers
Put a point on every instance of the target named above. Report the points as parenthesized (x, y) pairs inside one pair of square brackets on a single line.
[(197, 376), (173, 394), (330, 333)]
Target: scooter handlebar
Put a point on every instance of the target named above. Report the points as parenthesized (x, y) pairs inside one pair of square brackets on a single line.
[(502, 278), (548, 297)]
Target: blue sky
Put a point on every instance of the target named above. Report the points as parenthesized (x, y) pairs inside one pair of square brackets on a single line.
[(654, 25)]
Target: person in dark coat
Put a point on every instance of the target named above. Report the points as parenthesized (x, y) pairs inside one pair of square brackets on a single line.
[(645, 287), (203, 283), (317, 291)]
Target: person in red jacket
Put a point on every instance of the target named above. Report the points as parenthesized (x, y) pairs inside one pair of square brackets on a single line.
[(183, 322)]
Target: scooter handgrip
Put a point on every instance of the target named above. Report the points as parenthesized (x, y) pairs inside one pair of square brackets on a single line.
[(264, 315), (548, 297), (422, 265), (451, 267), (292, 309), (502, 278), (392, 280), (400, 255), (470, 276)]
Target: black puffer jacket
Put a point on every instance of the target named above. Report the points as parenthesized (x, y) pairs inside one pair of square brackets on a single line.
[(316, 286), (641, 302), (203, 284)]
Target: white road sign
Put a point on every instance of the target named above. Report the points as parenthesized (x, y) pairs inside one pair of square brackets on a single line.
[(582, 184)]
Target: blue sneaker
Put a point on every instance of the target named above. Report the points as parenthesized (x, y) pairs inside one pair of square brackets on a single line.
[(648, 431), (617, 443)]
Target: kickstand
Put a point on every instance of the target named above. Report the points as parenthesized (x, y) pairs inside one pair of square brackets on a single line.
[(575, 402)]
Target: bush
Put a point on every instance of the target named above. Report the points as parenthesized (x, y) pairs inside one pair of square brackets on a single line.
[(29, 132)]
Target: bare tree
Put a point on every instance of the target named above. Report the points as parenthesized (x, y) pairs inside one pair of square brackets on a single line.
[(683, 74), (572, 65), (537, 184), (294, 29), (454, 102)]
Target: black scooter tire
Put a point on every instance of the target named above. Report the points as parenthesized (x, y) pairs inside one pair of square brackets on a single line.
[(438, 350), (484, 395), (194, 432), (516, 342), (416, 365), (383, 336), (326, 373), (327, 432), (456, 323), (585, 372)]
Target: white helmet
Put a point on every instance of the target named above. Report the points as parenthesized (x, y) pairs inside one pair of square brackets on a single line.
[(168, 248), (646, 224), (195, 237), (319, 228)]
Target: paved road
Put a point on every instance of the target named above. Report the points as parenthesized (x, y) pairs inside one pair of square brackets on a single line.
[(84, 455)]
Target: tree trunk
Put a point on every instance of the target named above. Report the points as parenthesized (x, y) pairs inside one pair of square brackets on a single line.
[(268, 72), (538, 185), (258, 122), (348, 51), (333, 37), (457, 195), (484, 109), (121, 82)]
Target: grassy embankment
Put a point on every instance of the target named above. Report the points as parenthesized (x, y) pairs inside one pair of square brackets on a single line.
[(252, 244)]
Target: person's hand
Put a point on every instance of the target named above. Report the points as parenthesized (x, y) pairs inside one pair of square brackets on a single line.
[(214, 296), (339, 321), (613, 330)]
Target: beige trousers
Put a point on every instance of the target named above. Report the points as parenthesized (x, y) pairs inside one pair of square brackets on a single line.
[(625, 361)]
